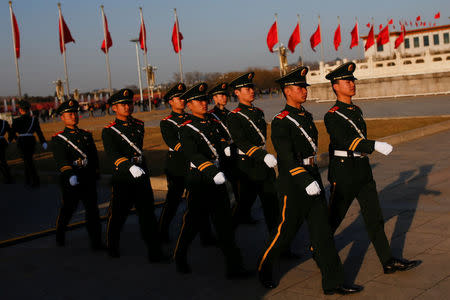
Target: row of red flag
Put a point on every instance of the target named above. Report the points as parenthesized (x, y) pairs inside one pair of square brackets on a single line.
[(66, 37), (316, 37)]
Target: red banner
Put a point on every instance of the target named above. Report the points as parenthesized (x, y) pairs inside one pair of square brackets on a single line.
[(16, 36), (315, 39), (337, 37), (295, 39), (143, 37), (108, 43), (272, 36), (355, 37), (370, 39), (176, 38), (64, 35)]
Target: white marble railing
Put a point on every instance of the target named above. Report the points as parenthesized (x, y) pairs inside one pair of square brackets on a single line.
[(401, 66)]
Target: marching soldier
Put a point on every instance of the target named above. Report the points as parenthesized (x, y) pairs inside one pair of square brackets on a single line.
[(123, 140), (77, 161), (219, 95), (203, 146), (349, 171), (255, 167), (176, 165), (4, 168), (294, 137), (23, 129)]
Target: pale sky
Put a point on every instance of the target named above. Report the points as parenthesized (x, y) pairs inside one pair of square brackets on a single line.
[(219, 36)]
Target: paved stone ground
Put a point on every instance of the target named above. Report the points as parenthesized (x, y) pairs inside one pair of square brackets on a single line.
[(414, 186)]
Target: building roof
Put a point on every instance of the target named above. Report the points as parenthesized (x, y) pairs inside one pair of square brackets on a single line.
[(416, 31)]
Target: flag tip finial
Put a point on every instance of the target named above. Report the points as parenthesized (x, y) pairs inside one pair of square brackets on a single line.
[(10, 2), (59, 4), (101, 6)]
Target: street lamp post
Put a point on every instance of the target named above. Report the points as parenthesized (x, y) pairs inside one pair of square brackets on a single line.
[(136, 41)]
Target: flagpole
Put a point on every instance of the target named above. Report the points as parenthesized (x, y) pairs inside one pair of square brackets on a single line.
[(108, 71), (136, 41), (149, 94), (178, 44), (389, 37), (301, 43), (19, 89), (321, 41), (357, 32), (373, 24), (61, 30), (279, 46)]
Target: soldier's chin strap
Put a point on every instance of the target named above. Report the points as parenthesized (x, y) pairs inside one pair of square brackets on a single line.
[(127, 140)]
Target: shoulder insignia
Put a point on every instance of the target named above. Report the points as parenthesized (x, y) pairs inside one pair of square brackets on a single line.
[(110, 124), (210, 111), (58, 133), (282, 114), (167, 118), (258, 109), (187, 122), (333, 109), (236, 110)]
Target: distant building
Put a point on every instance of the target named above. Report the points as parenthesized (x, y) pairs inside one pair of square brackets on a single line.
[(417, 42)]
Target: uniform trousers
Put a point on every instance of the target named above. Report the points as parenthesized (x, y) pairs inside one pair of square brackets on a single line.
[(352, 178), (297, 207), (208, 199), (124, 195), (86, 191)]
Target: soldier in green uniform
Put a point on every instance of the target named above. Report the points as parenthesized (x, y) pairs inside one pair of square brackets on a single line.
[(77, 161), (349, 171), (294, 137), (123, 141), (176, 165), (255, 167), (203, 147), (4, 168), (219, 95), (23, 129)]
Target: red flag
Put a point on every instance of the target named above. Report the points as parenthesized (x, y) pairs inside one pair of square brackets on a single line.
[(176, 38), (410, 23), (438, 15), (383, 36), (417, 24), (400, 38), (16, 36), (355, 37), (64, 30), (143, 37), (272, 37), (315, 39), (434, 24), (381, 26), (370, 39), (337, 37), (391, 22), (294, 40), (108, 41), (368, 25), (418, 18)]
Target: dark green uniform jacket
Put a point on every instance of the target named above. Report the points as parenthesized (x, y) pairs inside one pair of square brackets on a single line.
[(120, 152), (176, 163)]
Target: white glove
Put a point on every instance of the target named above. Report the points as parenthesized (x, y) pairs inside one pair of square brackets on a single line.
[(73, 180), (44, 146), (227, 151), (136, 171), (219, 178), (270, 160), (383, 148), (313, 189)]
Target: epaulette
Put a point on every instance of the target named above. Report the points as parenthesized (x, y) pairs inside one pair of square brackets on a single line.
[(110, 124), (236, 110), (258, 109), (211, 111), (58, 133), (167, 118), (333, 109), (187, 122), (282, 115)]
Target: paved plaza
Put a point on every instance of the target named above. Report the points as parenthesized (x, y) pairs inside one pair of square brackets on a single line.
[(414, 186)]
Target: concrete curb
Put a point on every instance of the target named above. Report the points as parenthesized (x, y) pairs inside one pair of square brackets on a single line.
[(402, 137)]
